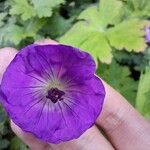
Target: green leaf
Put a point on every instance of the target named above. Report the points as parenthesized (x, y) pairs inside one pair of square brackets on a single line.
[(4, 143), (15, 33), (32, 27), (28, 9), (110, 12), (3, 129), (23, 8), (2, 16), (138, 4), (100, 50), (57, 25), (3, 118), (137, 8), (44, 8), (143, 94), (128, 35), (2, 115), (89, 35), (119, 78), (136, 61), (100, 29), (17, 144)]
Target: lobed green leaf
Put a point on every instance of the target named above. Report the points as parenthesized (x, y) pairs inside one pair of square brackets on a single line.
[(119, 78), (143, 94), (100, 28)]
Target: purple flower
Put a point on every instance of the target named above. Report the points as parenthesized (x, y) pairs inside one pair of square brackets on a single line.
[(147, 36), (52, 92)]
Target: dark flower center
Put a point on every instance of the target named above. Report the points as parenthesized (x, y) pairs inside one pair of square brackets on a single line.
[(55, 94)]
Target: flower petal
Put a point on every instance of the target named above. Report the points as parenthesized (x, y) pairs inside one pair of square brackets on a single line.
[(81, 108)]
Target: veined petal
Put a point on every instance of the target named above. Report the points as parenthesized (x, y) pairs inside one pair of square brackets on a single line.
[(52, 92)]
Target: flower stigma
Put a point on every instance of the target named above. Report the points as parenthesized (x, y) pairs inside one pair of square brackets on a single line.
[(54, 94)]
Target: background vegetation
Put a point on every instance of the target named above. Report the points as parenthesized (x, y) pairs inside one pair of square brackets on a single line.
[(111, 30)]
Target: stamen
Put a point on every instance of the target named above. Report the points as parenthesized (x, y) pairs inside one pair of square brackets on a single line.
[(54, 94)]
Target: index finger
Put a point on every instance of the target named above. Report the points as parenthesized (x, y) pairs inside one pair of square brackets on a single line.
[(6, 55), (124, 126)]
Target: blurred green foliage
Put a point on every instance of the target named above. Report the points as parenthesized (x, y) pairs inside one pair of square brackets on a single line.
[(111, 30)]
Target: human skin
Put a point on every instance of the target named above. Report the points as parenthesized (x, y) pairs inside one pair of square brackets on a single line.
[(123, 126)]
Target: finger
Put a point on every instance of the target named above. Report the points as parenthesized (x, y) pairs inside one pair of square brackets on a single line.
[(46, 41), (124, 126), (92, 139), (6, 56), (29, 139)]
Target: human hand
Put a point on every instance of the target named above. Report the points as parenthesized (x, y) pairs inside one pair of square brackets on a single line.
[(123, 126)]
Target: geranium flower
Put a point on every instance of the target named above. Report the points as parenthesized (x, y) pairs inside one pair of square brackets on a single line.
[(147, 36), (52, 92)]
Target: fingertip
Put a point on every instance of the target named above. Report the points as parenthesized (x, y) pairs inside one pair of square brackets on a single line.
[(28, 138), (8, 51), (6, 56), (46, 41), (17, 130)]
